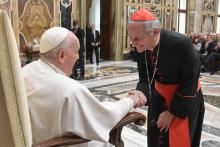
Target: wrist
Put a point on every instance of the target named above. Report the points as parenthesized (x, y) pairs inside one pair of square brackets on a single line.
[(132, 101), (171, 115)]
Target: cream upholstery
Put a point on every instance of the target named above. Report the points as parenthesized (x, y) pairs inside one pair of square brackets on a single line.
[(15, 128)]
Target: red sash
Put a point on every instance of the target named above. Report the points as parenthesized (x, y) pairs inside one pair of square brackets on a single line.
[(179, 128)]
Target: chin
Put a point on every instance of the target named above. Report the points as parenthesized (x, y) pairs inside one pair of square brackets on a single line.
[(149, 49), (69, 74), (140, 50)]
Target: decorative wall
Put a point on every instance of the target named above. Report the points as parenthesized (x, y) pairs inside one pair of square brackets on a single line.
[(192, 9), (209, 15), (66, 9), (5, 5), (30, 18), (165, 10), (34, 19)]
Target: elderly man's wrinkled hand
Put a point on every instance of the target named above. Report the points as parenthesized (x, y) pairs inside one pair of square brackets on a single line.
[(164, 121), (138, 98)]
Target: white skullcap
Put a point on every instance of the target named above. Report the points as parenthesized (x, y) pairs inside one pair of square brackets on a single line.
[(52, 38)]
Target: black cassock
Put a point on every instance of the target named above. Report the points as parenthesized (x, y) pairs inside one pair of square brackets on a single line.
[(177, 74)]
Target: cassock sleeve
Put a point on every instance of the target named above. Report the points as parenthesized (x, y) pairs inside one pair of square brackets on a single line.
[(142, 84), (84, 115), (189, 76)]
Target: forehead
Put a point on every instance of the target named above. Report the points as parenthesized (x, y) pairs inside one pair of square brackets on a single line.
[(136, 29)]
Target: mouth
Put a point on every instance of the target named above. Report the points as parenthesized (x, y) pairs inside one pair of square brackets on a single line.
[(140, 49)]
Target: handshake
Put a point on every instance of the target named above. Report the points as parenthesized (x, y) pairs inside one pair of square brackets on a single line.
[(138, 98)]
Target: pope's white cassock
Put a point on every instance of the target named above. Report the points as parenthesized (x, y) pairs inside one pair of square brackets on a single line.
[(59, 105)]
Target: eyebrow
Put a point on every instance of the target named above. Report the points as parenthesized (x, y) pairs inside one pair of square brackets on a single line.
[(136, 37)]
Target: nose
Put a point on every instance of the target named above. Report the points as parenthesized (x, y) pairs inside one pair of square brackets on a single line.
[(134, 43)]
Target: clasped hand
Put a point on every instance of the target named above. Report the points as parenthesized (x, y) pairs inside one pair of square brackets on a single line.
[(138, 98)]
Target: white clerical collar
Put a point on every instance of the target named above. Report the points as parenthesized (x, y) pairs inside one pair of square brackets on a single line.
[(52, 66)]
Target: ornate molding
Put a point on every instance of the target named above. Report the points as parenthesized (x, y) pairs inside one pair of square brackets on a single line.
[(66, 3), (35, 19), (3, 1)]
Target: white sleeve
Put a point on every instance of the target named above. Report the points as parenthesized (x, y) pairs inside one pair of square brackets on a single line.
[(85, 116)]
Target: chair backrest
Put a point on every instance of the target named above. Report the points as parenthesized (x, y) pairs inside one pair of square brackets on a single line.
[(15, 127)]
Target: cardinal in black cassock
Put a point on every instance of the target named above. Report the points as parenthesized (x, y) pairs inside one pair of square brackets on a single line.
[(169, 70)]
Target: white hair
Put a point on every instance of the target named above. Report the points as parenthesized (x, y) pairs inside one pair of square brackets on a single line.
[(150, 26)]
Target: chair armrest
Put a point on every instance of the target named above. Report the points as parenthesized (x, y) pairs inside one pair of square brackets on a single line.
[(61, 141), (115, 134), (132, 117)]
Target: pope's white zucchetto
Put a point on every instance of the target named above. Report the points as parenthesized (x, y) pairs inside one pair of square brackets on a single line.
[(52, 38)]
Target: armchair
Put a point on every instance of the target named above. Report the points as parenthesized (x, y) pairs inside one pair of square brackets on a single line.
[(15, 123)]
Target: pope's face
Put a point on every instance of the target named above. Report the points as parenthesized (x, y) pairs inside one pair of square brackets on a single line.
[(139, 38)]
